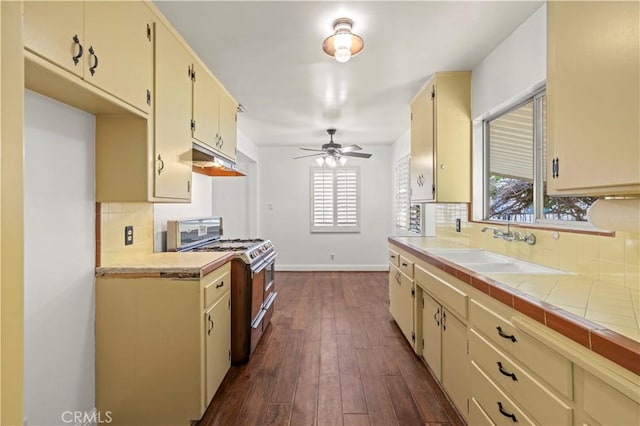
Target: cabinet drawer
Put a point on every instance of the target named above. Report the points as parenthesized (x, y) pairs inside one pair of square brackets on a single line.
[(444, 292), (509, 375), (549, 365), (498, 329), (406, 266), (477, 416), (607, 405), (216, 283), (500, 409), (394, 258)]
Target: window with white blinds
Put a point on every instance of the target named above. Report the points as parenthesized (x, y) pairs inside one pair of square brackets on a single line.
[(403, 197), (335, 199)]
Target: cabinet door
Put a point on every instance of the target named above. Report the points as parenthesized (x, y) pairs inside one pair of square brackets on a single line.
[(422, 118), (205, 108), (217, 326), (172, 117), (49, 31), (454, 360), (401, 308), (452, 162), (120, 35), (431, 318), (593, 97), (228, 125)]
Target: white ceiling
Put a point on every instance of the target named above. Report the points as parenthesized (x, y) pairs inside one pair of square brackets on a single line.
[(269, 56)]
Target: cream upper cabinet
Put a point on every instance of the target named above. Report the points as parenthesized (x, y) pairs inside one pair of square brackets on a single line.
[(205, 125), (107, 43), (228, 125), (55, 31), (120, 35), (214, 114), (593, 91), (172, 107), (441, 139)]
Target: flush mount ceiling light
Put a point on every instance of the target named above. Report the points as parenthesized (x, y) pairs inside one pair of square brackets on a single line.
[(343, 44)]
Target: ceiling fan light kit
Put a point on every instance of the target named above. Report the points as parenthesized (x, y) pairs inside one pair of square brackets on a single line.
[(343, 44), (333, 153)]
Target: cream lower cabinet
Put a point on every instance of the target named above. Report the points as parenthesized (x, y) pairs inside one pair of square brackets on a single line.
[(107, 43), (162, 347), (217, 321), (444, 341), (593, 97), (401, 301)]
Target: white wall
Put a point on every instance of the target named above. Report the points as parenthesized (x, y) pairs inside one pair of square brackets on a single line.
[(513, 69), (283, 184), (234, 199), (201, 205), (59, 243), (511, 72)]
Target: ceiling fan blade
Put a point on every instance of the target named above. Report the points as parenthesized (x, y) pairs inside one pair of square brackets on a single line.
[(310, 149), (350, 148), (356, 154), (310, 155)]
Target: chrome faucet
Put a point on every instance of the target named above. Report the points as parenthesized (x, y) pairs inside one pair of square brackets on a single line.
[(496, 232), (528, 238)]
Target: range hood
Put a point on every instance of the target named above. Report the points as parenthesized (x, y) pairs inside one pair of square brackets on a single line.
[(210, 163)]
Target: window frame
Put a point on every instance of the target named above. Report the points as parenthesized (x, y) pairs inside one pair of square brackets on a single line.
[(335, 228), (538, 168), (404, 162)]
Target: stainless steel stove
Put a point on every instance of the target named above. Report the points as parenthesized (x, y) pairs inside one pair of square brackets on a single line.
[(252, 277)]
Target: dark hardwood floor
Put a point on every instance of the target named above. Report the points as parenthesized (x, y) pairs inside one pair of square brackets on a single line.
[(331, 356)]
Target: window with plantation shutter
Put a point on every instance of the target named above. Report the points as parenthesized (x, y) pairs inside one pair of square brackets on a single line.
[(335, 199), (403, 197)]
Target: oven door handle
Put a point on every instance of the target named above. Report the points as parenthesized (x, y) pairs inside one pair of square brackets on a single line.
[(256, 322), (270, 300), (266, 262)]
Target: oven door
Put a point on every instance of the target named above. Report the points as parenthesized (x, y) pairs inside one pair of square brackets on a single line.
[(262, 300)]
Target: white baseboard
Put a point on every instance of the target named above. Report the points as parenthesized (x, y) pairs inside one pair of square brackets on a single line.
[(330, 267)]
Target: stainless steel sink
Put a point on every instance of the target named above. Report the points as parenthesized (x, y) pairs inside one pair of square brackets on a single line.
[(483, 261)]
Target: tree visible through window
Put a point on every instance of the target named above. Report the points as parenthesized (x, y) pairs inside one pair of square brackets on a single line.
[(516, 147)]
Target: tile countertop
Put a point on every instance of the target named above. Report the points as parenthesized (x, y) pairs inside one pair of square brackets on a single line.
[(600, 316), (165, 265)]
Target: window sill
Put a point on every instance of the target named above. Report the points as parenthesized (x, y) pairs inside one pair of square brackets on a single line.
[(335, 231), (551, 227)]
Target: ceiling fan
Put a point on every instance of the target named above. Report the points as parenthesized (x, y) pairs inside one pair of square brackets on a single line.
[(333, 152)]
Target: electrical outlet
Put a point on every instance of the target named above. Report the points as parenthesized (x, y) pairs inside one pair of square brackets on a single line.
[(128, 235), (457, 225), (332, 256)]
